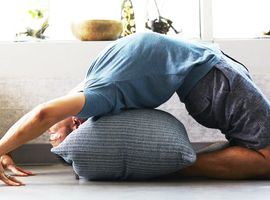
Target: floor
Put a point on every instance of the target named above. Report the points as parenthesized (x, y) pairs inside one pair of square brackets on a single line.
[(58, 183)]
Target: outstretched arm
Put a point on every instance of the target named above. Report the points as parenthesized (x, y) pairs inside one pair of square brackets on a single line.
[(37, 121), (231, 163)]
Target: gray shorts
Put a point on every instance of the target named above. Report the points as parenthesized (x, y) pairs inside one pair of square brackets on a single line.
[(228, 100)]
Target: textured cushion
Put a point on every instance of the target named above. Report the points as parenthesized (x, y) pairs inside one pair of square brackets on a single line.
[(133, 145)]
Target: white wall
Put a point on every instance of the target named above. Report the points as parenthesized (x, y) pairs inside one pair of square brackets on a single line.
[(54, 59), (47, 59), (254, 53)]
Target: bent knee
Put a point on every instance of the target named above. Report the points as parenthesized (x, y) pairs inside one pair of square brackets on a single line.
[(265, 152)]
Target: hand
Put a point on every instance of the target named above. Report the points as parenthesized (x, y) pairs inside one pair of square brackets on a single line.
[(7, 163)]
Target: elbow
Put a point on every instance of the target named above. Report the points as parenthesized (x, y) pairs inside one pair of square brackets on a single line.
[(46, 114), (41, 113)]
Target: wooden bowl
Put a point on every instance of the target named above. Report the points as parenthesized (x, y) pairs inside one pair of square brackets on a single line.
[(89, 30)]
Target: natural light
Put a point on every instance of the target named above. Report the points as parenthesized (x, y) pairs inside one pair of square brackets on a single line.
[(15, 18), (231, 19), (240, 18)]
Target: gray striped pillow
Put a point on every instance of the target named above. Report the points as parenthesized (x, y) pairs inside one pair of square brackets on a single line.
[(133, 145)]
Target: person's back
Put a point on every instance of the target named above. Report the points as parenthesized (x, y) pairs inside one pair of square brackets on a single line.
[(143, 71)]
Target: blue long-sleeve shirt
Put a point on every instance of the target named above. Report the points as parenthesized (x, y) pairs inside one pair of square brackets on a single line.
[(143, 71)]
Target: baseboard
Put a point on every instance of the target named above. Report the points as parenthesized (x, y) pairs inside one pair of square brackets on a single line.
[(40, 154), (35, 154)]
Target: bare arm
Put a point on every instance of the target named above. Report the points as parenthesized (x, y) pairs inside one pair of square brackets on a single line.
[(37, 121), (231, 163)]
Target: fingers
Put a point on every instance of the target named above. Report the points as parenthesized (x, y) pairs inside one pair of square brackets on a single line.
[(15, 180), (18, 171), (24, 171), (9, 180), (8, 163)]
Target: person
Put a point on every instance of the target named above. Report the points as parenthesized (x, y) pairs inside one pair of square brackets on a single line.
[(143, 71)]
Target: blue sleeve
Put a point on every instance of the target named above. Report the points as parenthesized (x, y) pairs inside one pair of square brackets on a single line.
[(96, 104)]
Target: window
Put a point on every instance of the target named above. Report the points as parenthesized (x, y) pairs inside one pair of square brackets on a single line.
[(240, 18), (194, 18), (15, 18)]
